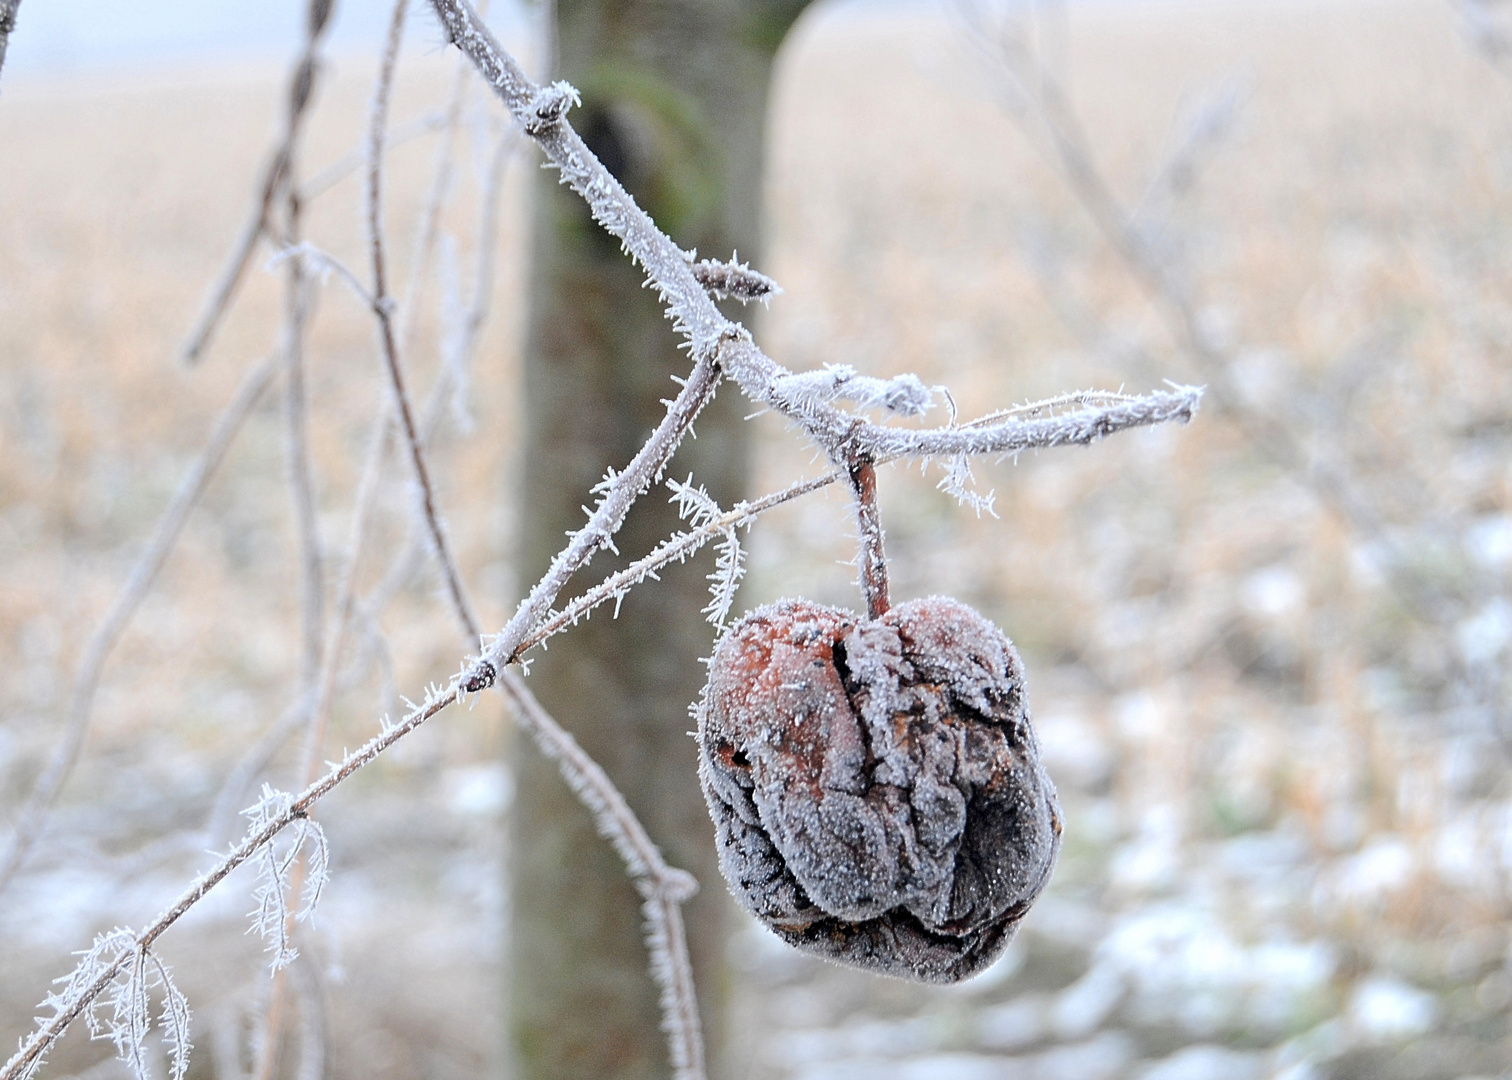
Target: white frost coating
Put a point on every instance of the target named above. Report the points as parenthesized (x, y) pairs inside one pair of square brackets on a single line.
[(959, 483), (271, 917), (696, 506), (122, 975), (905, 395)]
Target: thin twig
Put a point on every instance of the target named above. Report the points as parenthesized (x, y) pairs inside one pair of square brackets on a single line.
[(275, 179), (298, 807), (383, 307), (32, 818), (297, 452)]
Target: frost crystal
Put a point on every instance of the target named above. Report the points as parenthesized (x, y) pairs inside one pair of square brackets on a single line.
[(695, 505), (905, 395), (271, 918), (134, 973)]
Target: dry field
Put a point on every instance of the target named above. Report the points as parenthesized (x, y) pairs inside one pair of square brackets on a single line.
[(1281, 731)]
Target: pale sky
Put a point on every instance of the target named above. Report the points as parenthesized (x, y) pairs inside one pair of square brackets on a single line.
[(66, 37)]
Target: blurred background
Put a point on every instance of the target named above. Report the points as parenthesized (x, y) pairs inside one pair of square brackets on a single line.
[(1268, 651)]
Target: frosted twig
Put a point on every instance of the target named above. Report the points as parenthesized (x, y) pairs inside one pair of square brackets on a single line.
[(676, 548), (275, 179), (282, 895), (697, 507), (430, 216), (326, 263), (451, 382), (32, 817), (356, 158), (844, 437), (124, 973), (461, 354), (905, 395), (73, 1003)]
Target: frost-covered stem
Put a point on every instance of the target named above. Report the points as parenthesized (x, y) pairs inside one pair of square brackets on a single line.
[(542, 111), (452, 378), (8, 9), (609, 514), (664, 887), (383, 305), (676, 548), (275, 179), (298, 807), (871, 559), (1084, 425), (297, 453), (32, 817)]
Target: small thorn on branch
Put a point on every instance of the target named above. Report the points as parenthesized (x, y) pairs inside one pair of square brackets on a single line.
[(725, 280)]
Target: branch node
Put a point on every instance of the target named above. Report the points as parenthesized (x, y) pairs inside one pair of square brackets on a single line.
[(549, 106)]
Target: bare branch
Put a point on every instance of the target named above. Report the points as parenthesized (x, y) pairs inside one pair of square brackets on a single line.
[(383, 307), (275, 179)]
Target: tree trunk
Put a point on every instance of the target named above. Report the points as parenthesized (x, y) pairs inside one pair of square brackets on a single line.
[(674, 98)]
